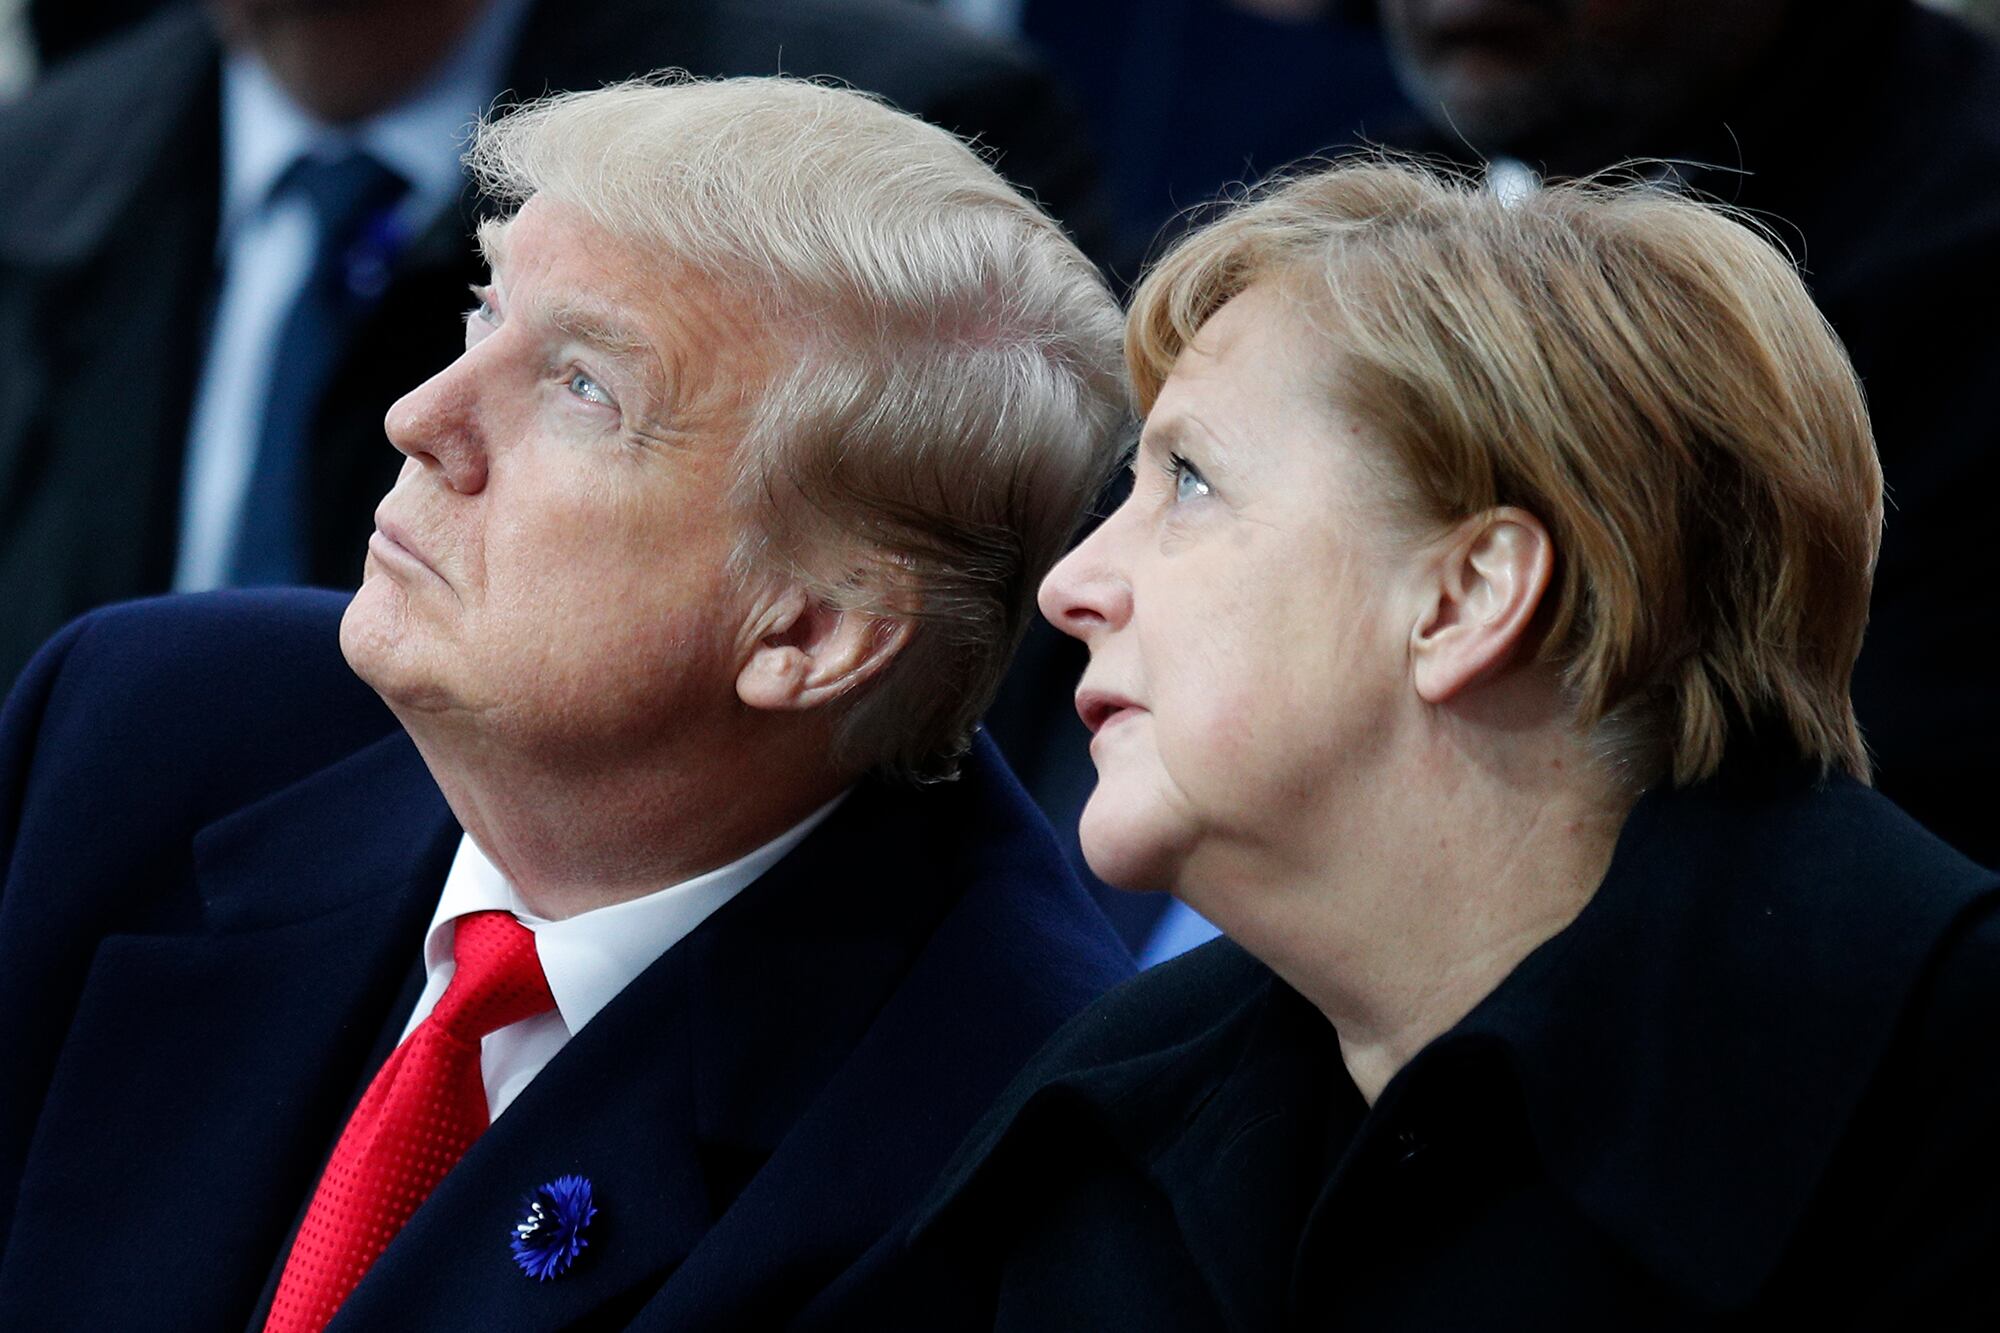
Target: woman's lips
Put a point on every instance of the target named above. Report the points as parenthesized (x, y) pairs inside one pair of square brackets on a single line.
[(1099, 709)]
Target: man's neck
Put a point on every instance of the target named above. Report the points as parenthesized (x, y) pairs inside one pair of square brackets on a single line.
[(590, 836)]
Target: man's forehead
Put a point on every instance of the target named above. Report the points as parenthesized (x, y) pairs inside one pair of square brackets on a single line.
[(603, 318), (568, 255), (556, 267)]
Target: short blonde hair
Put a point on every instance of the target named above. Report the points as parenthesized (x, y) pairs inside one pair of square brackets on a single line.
[(949, 397), (1644, 373)]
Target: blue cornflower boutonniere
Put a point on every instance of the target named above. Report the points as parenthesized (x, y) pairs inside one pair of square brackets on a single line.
[(549, 1235)]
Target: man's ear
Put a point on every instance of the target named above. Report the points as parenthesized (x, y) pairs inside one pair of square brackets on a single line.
[(1480, 612), (805, 653)]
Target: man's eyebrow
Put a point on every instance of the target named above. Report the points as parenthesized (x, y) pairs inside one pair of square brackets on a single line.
[(602, 326), (492, 237), (593, 323), (584, 321), (610, 331)]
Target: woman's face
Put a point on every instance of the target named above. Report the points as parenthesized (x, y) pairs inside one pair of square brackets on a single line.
[(1248, 612)]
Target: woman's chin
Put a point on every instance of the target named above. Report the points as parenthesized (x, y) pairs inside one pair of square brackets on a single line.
[(1125, 848)]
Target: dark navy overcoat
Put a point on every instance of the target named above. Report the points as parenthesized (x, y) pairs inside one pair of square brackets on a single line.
[(220, 856)]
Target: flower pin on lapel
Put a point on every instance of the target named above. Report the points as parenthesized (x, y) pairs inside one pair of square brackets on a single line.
[(549, 1235)]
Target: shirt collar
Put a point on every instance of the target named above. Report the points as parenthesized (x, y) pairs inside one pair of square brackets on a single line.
[(590, 957), (422, 137)]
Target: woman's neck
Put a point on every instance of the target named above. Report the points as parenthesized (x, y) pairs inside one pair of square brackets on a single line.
[(1398, 924)]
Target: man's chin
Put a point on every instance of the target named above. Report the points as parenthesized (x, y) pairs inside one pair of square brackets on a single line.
[(384, 649)]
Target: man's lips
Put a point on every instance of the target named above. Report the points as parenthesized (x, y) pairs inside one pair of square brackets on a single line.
[(1099, 709), (392, 541)]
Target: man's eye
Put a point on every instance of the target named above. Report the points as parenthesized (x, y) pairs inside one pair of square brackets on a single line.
[(588, 389), (482, 307), (1188, 481)]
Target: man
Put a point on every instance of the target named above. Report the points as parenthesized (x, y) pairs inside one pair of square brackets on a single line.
[(237, 229), (1865, 133), (773, 411)]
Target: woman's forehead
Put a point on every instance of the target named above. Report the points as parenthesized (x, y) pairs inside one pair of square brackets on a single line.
[(1255, 356)]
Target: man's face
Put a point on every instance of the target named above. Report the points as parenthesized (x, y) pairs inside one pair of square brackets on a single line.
[(553, 563), (1572, 78)]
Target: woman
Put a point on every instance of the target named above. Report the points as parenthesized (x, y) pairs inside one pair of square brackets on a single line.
[(1473, 649)]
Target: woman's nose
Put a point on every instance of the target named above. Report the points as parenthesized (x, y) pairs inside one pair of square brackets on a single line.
[(437, 423), (1088, 592)]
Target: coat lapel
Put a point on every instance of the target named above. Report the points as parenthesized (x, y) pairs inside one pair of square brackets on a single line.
[(708, 1070), (248, 1037), (921, 955), (764, 1101), (706, 1058), (613, 1107)]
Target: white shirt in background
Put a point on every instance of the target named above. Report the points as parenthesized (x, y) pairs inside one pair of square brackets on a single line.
[(265, 248)]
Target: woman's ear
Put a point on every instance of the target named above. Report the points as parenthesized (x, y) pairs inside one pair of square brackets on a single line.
[(806, 653), (1490, 581)]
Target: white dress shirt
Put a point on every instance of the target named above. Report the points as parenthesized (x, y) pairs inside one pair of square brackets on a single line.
[(265, 247), (587, 958)]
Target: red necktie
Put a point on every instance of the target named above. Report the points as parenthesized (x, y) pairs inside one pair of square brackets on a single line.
[(416, 1120)]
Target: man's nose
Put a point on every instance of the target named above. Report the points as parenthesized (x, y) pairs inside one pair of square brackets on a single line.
[(437, 424), (1088, 592)]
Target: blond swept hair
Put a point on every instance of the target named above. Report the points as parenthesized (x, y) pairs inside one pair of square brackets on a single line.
[(948, 394), (1644, 373)]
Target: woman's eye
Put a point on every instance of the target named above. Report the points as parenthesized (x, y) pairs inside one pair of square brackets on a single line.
[(1188, 481), (588, 389)]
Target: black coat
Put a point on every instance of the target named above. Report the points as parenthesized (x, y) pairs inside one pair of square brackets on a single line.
[(1869, 143), (110, 175), (218, 858), (1753, 1085)]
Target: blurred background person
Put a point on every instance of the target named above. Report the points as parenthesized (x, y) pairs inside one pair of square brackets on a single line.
[(232, 234), (1986, 13), (1867, 133), (62, 28), (1474, 648), (17, 50), (1187, 97)]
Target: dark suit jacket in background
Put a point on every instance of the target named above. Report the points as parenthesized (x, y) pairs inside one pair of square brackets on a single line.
[(1752, 1086), (110, 176), (220, 858)]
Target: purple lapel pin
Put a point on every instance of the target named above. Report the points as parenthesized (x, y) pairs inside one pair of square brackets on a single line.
[(550, 1234)]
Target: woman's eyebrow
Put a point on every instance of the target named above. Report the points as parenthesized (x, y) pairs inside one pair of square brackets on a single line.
[(1160, 434), (1181, 433)]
